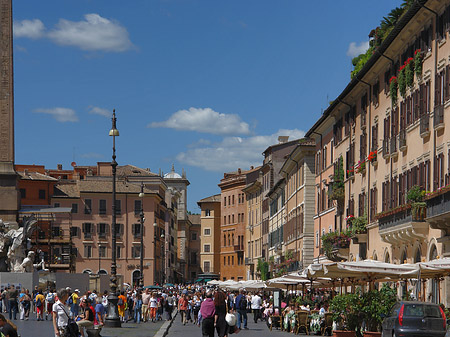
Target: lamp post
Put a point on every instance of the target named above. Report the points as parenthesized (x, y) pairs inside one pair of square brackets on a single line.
[(113, 320), (163, 260), (155, 238), (141, 255)]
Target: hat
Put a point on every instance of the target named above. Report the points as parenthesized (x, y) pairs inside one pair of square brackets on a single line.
[(68, 288), (77, 290)]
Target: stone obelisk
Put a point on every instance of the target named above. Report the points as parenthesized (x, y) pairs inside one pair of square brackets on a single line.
[(9, 195)]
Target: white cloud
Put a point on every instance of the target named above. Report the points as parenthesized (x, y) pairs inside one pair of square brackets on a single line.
[(234, 152), (205, 120), (32, 29), (60, 114), (95, 110), (355, 49), (95, 33)]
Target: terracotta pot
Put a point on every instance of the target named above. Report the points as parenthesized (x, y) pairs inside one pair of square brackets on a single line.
[(339, 333), (372, 334)]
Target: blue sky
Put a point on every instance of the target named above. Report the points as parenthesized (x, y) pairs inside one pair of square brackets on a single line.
[(205, 85)]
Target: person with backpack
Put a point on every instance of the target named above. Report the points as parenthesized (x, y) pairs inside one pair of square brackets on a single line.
[(61, 314), (88, 318), (39, 302), (50, 298), (73, 301), (121, 305), (240, 305)]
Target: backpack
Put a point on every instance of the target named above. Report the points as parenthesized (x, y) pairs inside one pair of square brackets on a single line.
[(38, 302), (120, 301), (70, 300), (243, 303)]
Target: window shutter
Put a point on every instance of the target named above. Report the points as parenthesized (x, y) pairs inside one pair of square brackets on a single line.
[(437, 90)]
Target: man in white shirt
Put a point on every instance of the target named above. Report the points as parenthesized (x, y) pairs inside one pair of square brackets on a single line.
[(256, 307)]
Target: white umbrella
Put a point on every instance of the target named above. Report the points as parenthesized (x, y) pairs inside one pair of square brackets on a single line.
[(214, 283), (373, 270)]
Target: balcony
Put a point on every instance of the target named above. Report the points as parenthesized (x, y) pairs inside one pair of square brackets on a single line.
[(438, 209), (425, 125), (438, 119), (385, 147), (249, 261), (238, 248), (393, 146), (402, 140), (398, 226)]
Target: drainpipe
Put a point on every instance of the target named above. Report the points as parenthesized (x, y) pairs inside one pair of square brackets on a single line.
[(320, 188)]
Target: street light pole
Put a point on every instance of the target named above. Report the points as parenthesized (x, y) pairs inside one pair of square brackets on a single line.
[(113, 320), (141, 255)]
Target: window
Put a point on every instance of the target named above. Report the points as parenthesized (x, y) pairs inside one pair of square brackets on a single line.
[(118, 209), (74, 208), (317, 238), (102, 207), (224, 219), (207, 212), (207, 231), (194, 236), (87, 230), (193, 258), (41, 194), (232, 260), (56, 205), (224, 201), (102, 230), (87, 206), (118, 252), (207, 248), (137, 207), (232, 202), (136, 229), (74, 231), (87, 251), (23, 193), (136, 251), (119, 230), (101, 251), (206, 266)]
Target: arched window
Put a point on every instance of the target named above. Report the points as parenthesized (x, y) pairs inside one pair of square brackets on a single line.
[(87, 271), (102, 272), (387, 258), (224, 240), (136, 276), (417, 258)]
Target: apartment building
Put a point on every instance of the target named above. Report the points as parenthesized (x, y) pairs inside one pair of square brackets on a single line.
[(298, 233), (233, 224), (385, 134), (210, 236), (194, 266), (253, 231)]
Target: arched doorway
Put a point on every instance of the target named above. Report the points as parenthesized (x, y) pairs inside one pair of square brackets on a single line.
[(434, 294), (135, 276)]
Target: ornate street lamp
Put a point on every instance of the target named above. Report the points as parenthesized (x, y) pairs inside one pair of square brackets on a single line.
[(113, 320), (141, 255)]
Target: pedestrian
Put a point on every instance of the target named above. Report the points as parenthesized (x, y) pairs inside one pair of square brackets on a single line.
[(50, 299), (13, 294), (34, 294), (207, 313), (241, 309), (74, 302), (39, 302), (7, 328), (182, 308), (60, 313), (122, 302), (100, 311), (220, 313), (153, 306), (21, 309), (256, 307), (26, 303), (137, 308), (145, 301)]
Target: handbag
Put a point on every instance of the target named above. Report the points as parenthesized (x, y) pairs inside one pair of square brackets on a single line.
[(230, 318), (71, 330)]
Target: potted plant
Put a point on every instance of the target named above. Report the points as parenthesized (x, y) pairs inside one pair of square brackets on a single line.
[(415, 197), (346, 309), (418, 60), (361, 167), (393, 88), (409, 72), (372, 156), (402, 81), (376, 304)]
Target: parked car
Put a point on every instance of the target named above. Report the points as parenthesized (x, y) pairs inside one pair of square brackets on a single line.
[(414, 319)]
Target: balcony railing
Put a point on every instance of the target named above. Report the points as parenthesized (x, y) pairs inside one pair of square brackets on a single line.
[(438, 209), (393, 145), (424, 125), (438, 119), (402, 140), (248, 261), (385, 147), (239, 248)]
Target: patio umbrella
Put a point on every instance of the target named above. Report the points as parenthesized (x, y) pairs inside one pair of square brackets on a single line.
[(214, 283), (371, 270)]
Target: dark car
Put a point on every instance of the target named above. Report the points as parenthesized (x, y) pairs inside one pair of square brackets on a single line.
[(415, 319)]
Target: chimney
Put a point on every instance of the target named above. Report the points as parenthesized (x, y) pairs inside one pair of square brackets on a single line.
[(239, 171), (251, 167), (283, 139), (25, 171), (59, 167)]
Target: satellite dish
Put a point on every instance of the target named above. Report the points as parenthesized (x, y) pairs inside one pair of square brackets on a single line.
[(73, 164)]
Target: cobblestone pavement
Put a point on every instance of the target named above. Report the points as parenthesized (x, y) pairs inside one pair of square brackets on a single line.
[(259, 329), (33, 328)]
